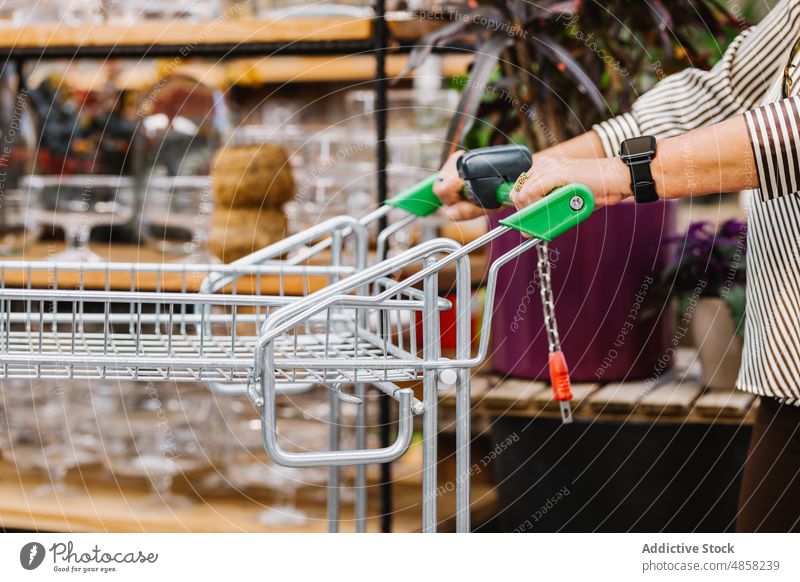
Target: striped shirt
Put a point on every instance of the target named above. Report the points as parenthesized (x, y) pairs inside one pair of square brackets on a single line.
[(759, 78)]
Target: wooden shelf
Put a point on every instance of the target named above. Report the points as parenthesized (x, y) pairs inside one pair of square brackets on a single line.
[(191, 36), (315, 69), (224, 37), (98, 504), (294, 285)]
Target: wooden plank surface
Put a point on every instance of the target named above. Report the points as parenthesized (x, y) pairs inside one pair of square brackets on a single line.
[(671, 398), (478, 388), (293, 285), (619, 398), (189, 34), (670, 402), (319, 68), (223, 30), (513, 394), (724, 403), (106, 506), (120, 253)]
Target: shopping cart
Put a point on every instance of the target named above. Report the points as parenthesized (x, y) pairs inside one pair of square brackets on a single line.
[(182, 322), (226, 325), (342, 336)]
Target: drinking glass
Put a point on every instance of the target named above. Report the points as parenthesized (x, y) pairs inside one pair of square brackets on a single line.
[(177, 212), (129, 11), (37, 432), (148, 432), (246, 467), (19, 222), (79, 203)]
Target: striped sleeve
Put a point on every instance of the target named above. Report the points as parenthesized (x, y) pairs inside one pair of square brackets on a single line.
[(694, 98), (774, 136)]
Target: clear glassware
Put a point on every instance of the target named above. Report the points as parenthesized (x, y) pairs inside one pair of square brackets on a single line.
[(21, 12), (303, 143), (245, 466), (303, 8), (409, 109), (328, 191), (38, 434), (79, 203), (177, 214), (148, 432), (19, 222), (78, 12), (130, 11)]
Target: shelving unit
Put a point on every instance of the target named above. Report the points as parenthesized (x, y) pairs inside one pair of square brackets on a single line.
[(219, 38), (223, 37)]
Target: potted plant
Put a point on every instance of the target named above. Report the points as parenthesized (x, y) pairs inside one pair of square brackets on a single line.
[(708, 279)]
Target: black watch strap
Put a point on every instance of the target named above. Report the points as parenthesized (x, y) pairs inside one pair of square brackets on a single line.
[(642, 183), (637, 153)]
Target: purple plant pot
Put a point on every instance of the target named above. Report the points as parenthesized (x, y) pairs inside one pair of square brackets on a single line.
[(613, 322)]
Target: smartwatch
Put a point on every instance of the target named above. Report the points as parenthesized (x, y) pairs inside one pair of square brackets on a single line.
[(637, 153)]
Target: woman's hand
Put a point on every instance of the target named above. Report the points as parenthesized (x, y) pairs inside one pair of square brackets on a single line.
[(448, 188), (608, 179)]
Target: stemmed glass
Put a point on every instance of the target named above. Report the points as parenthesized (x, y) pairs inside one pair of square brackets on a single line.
[(246, 467), (147, 431), (38, 433), (177, 211), (19, 222), (79, 203)]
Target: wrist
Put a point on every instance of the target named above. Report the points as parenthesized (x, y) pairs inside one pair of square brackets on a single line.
[(638, 153), (621, 178)]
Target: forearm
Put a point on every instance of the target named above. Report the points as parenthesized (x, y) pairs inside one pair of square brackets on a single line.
[(714, 159), (705, 161), (586, 146)]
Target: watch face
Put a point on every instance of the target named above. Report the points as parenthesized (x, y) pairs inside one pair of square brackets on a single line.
[(638, 147)]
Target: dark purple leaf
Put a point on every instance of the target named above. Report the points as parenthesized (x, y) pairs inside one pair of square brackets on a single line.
[(563, 60), (485, 62), (663, 20), (450, 31)]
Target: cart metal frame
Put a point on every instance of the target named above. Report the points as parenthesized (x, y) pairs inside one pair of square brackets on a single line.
[(358, 330)]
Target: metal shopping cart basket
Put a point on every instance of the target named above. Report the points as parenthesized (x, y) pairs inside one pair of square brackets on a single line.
[(185, 322), (239, 325)]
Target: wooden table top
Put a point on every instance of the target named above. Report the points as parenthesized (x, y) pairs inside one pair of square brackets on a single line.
[(99, 504)]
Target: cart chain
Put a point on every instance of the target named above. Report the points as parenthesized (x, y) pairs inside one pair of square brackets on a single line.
[(546, 292), (559, 375)]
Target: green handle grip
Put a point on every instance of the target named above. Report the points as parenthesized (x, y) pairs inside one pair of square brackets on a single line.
[(418, 200), (504, 193), (554, 214)]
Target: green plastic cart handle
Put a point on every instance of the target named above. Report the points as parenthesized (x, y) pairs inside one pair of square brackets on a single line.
[(504, 194), (559, 211), (418, 200), (554, 214)]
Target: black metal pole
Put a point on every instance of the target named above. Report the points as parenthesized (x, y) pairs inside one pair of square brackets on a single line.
[(381, 114)]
